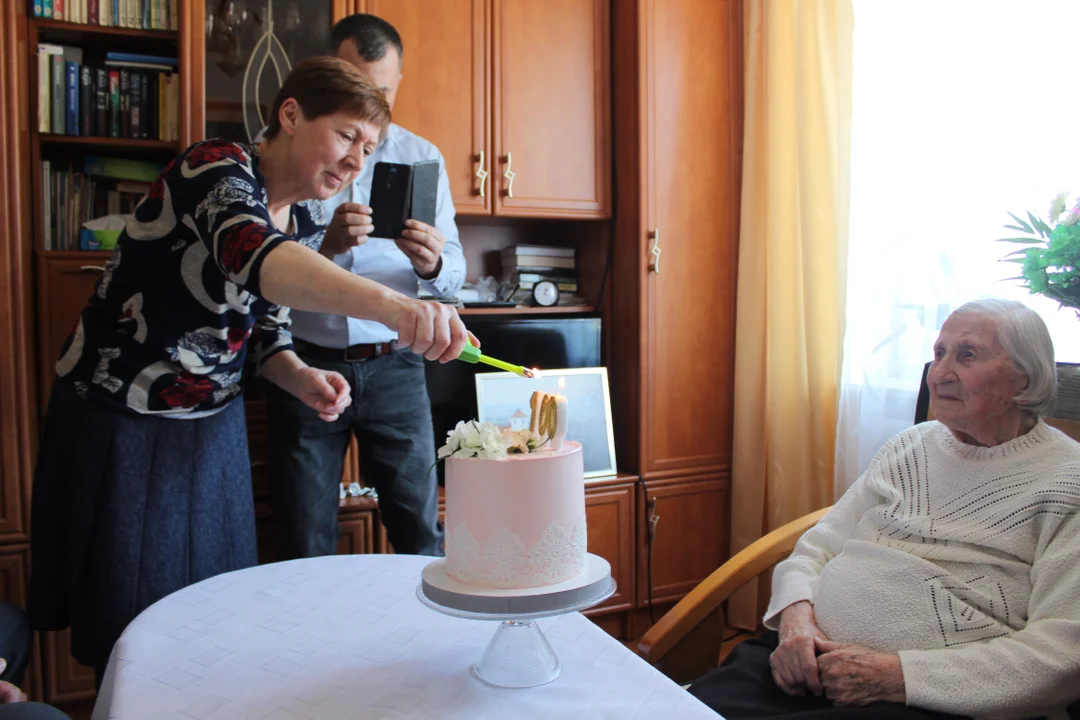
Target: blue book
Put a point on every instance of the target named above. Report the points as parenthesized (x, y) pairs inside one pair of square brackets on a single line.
[(137, 58), (39, 11), (71, 122)]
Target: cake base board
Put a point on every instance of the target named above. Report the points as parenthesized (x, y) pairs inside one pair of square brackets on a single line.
[(592, 586)]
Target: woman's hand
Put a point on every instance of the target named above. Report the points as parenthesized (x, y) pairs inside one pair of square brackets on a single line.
[(324, 391), (794, 663), (10, 693), (854, 675), (429, 328), (350, 226)]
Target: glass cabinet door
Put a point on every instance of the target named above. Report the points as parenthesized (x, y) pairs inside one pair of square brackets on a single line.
[(250, 47)]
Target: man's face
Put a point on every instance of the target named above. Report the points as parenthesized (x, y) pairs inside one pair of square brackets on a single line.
[(384, 72)]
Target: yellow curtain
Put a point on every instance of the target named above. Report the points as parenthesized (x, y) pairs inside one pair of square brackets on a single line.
[(792, 267)]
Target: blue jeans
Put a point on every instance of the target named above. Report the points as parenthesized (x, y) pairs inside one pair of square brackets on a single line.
[(391, 418)]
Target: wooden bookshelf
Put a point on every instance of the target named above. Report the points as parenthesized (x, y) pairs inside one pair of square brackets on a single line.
[(75, 33), (97, 143)]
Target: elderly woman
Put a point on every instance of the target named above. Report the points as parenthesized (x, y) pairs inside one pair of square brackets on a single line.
[(946, 580), (143, 482)]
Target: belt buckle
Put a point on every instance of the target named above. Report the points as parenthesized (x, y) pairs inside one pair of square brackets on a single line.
[(350, 357)]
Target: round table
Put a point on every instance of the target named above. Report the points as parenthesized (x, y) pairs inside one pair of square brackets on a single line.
[(345, 637)]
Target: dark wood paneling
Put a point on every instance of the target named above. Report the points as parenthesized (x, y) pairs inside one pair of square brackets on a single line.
[(66, 681), (357, 534), (18, 416)]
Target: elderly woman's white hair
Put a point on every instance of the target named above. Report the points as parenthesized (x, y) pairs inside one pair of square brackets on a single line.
[(1026, 339)]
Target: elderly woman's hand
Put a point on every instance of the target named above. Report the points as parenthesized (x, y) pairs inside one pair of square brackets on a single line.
[(794, 665), (854, 675)]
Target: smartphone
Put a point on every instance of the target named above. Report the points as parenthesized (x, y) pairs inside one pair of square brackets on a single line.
[(402, 192), (391, 196)]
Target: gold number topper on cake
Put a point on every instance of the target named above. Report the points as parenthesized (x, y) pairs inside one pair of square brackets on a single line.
[(534, 404), (548, 417)]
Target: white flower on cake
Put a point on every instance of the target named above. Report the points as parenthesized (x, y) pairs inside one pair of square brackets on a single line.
[(487, 441)]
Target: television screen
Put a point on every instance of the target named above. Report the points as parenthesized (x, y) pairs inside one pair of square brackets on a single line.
[(532, 342)]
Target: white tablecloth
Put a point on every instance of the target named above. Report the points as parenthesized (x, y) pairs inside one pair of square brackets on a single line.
[(345, 637)]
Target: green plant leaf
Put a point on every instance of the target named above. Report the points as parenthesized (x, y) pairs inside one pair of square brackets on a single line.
[(1039, 225), (1015, 227), (1023, 225), (1025, 241)]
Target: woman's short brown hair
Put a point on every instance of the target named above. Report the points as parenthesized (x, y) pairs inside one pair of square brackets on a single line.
[(325, 85)]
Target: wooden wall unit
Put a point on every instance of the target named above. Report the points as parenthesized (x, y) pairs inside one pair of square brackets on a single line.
[(678, 139), (516, 95)]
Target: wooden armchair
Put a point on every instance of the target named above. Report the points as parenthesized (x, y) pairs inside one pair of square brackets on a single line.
[(686, 642)]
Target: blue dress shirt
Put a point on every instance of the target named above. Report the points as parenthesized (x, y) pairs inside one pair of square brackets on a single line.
[(379, 259)]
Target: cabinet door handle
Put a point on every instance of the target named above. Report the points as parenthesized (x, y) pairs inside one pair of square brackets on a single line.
[(655, 251), (509, 175), (98, 268), (481, 174), (654, 519)]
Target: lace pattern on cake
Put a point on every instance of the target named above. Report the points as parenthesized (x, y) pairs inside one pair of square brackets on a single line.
[(503, 561)]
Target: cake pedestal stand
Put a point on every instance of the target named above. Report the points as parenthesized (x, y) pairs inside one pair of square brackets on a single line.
[(518, 655)]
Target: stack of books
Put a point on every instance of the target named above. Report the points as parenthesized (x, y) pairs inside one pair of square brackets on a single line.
[(526, 265), (124, 96), (139, 14), (73, 194)]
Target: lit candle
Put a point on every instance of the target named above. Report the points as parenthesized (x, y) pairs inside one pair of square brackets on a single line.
[(562, 416)]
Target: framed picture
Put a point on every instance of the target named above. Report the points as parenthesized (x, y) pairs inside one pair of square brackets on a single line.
[(503, 399)]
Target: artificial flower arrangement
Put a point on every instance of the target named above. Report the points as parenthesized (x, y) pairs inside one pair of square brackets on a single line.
[(1050, 266), (488, 441)]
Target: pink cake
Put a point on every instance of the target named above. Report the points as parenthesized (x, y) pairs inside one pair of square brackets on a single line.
[(516, 522)]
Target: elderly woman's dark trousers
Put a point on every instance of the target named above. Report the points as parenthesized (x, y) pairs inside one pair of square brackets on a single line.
[(743, 688)]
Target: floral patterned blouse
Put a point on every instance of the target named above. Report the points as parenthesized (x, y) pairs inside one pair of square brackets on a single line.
[(168, 328)]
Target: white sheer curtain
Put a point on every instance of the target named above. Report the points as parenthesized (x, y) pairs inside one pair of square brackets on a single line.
[(963, 110)]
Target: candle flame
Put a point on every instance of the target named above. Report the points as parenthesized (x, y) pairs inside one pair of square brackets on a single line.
[(532, 372), (562, 383)]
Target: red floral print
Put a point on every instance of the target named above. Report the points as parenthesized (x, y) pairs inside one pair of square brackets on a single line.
[(187, 391), (212, 152), (236, 339), (238, 242)]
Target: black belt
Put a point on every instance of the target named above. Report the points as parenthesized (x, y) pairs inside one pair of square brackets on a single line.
[(353, 353)]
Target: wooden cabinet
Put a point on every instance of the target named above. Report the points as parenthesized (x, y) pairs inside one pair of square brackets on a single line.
[(66, 680), (516, 95), (445, 91), (684, 535), (678, 158), (609, 514), (679, 152), (65, 282)]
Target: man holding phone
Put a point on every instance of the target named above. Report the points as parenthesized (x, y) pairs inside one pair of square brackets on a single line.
[(390, 413)]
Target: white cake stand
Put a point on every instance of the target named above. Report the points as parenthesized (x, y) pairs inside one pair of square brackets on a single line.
[(518, 655)]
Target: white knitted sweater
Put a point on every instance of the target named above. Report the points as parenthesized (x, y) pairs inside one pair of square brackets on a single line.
[(965, 560)]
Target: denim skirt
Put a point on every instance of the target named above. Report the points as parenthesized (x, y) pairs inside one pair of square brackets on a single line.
[(128, 508)]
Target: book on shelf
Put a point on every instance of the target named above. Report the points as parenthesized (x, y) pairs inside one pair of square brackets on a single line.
[(136, 14), (542, 250), (106, 99), (73, 195)]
